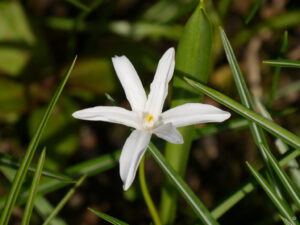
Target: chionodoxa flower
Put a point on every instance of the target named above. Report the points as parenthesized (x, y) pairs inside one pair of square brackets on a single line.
[(146, 116)]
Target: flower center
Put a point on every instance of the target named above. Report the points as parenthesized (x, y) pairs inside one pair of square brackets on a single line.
[(148, 121)]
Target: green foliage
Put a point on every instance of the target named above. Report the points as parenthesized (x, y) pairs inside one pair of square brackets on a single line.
[(192, 57), (108, 218), (37, 41)]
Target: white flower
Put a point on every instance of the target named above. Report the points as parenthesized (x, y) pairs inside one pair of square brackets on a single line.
[(146, 115)]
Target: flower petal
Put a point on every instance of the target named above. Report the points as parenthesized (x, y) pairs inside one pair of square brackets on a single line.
[(108, 114), (131, 82), (159, 86), (132, 153), (169, 133), (194, 113)]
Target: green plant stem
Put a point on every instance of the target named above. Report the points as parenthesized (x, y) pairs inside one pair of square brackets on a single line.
[(146, 194), (277, 72)]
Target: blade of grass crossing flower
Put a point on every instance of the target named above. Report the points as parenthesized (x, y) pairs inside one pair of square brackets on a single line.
[(64, 200), (244, 94), (282, 207), (108, 218), (288, 184), (200, 210), (33, 190), (277, 71), (90, 167), (19, 178), (247, 187), (293, 165), (283, 63), (192, 57), (9, 161), (253, 11), (268, 125)]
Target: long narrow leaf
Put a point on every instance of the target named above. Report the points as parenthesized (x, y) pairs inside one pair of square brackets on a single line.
[(282, 207), (277, 71), (293, 165), (288, 184), (270, 126), (8, 160), (64, 200), (283, 63), (257, 132), (43, 207), (20, 176), (78, 4), (90, 167), (253, 11), (33, 189), (198, 207), (108, 218), (246, 188)]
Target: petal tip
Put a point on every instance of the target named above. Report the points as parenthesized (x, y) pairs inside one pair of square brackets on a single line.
[(75, 114), (227, 115)]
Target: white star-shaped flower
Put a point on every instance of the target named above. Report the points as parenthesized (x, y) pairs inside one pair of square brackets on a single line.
[(146, 116)]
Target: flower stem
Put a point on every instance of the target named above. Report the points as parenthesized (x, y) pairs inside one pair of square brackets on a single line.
[(146, 194)]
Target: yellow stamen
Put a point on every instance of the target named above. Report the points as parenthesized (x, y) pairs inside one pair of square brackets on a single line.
[(149, 118)]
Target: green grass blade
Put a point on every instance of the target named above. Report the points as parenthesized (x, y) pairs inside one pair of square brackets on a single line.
[(283, 63), (277, 71), (33, 189), (64, 200), (108, 218), (192, 57), (9, 161), (288, 184), (246, 188), (43, 207), (293, 165), (253, 11), (233, 124), (78, 5), (19, 178), (257, 132), (198, 207), (282, 207), (268, 125), (90, 167)]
